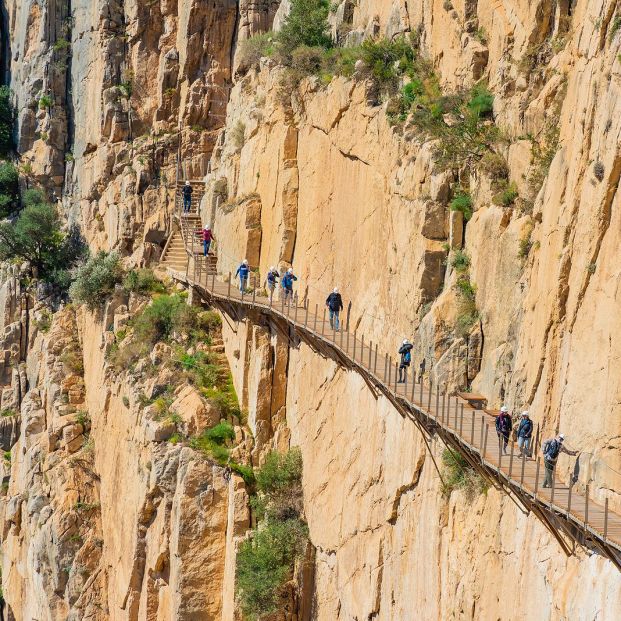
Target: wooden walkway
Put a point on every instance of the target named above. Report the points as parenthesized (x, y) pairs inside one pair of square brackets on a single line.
[(572, 517)]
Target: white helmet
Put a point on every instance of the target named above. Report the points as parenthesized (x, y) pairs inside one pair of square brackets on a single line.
[(336, 290), (525, 413), (272, 268), (290, 270), (406, 342), (561, 437), (207, 226), (504, 409), (187, 183), (245, 261)]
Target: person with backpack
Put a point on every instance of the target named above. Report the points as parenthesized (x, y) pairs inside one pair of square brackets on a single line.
[(286, 282), (524, 434), (551, 450), (270, 282), (187, 197), (334, 302), (406, 358), (243, 271), (503, 427), (207, 237)]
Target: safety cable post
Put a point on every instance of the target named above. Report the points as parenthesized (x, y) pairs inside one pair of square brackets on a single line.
[(522, 472), (537, 477), (315, 322), (375, 362), (444, 407), (429, 399), (389, 361), (341, 337), (355, 339), (485, 440), (396, 375), (501, 448), (362, 351), (385, 367), (323, 323), (370, 353), (569, 498), (306, 315), (586, 509), (254, 292), (605, 519), (438, 402), (471, 428), (421, 391), (553, 487), (511, 457), (228, 294), (461, 421), (413, 388)]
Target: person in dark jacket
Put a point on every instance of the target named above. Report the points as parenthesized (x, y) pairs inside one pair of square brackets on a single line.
[(406, 358), (270, 282), (286, 282), (503, 427), (421, 369), (551, 450), (524, 434), (243, 271), (334, 302), (187, 197)]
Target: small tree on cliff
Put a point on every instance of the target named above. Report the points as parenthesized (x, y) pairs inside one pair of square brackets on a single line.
[(306, 25), (36, 237)]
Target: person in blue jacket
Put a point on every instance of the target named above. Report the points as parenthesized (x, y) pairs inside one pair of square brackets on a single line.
[(270, 281), (406, 358), (242, 271), (286, 282)]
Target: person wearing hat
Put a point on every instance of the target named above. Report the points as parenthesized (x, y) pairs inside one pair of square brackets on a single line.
[(286, 282), (187, 197), (270, 282), (406, 358), (334, 302), (524, 434), (207, 237), (243, 271), (503, 427), (551, 450)]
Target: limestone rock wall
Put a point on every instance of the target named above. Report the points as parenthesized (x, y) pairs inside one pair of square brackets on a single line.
[(352, 202), (388, 544)]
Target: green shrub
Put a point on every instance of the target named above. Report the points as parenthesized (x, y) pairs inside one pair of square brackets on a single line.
[(8, 412), (45, 102), (265, 563), (280, 471), (460, 261), (255, 48), (305, 25), (125, 89), (143, 281), (494, 165), (8, 188), (73, 360), (507, 196), (61, 45), (458, 474), (462, 202), (238, 136), (481, 102), (467, 313), (36, 237), (215, 442), (614, 26), (221, 433), (165, 316), (7, 121), (94, 281)]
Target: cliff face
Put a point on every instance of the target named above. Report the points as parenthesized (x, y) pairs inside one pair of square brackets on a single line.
[(101, 519)]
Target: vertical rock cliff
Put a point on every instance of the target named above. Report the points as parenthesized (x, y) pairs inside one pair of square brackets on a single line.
[(105, 513)]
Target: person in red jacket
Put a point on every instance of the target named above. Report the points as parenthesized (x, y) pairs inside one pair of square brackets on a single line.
[(208, 237)]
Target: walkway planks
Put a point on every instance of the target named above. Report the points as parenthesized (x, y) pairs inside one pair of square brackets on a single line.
[(466, 429)]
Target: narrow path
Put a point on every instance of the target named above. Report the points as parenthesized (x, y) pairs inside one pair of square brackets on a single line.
[(571, 516)]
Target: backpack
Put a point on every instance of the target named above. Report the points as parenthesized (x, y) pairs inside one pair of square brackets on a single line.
[(551, 449), (407, 357)]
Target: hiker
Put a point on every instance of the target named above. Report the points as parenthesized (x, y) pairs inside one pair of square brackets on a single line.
[(421, 369), (551, 450), (187, 197), (270, 282), (286, 282), (524, 434), (334, 302), (406, 357), (208, 237), (503, 427), (243, 270)]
